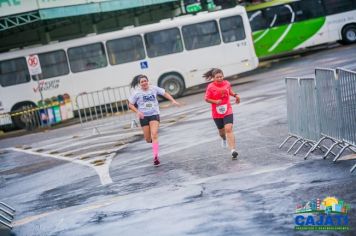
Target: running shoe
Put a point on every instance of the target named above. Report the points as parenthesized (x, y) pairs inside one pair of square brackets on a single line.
[(156, 161), (234, 155), (223, 143)]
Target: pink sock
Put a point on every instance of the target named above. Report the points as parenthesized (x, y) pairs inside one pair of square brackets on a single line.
[(155, 149)]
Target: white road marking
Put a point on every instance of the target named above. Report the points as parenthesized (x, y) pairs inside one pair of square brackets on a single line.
[(83, 147), (100, 164), (94, 139), (48, 155)]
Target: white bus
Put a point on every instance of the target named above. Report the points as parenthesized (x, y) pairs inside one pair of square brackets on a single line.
[(173, 53)]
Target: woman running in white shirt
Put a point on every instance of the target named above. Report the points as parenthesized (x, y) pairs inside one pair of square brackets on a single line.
[(144, 102)]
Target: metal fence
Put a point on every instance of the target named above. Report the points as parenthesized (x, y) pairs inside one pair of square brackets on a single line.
[(322, 108), (95, 109), (6, 214), (46, 113), (28, 117), (303, 119), (104, 107)]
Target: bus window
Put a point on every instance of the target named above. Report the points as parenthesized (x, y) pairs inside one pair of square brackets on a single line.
[(53, 64), (87, 57), (280, 15), (201, 35), (337, 6), (14, 72), (232, 29), (308, 9), (257, 20), (125, 50), (163, 42)]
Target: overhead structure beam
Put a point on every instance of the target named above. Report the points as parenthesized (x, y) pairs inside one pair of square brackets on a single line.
[(96, 7), (18, 20), (35, 10)]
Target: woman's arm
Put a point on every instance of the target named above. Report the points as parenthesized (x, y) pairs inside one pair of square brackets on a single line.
[(235, 95), (170, 98), (134, 109), (208, 100)]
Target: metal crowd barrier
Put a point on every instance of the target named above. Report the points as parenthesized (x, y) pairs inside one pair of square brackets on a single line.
[(104, 107), (321, 109), (347, 86), (330, 110), (336, 100), (6, 214), (348, 95), (29, 115), (303, 119), (33, 117)]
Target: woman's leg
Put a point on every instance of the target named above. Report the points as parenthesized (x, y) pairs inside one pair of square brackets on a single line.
[(154, 124), (222, 133), (223, 137), (147, 133), (230, 136), (228, 121), (219, 122), (146, 129)]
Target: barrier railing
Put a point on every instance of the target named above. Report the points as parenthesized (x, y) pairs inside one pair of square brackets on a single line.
[(46, 113), (328, 95), (321, 109), (347, 86), (6, 214), (104, 107), (303, 120)]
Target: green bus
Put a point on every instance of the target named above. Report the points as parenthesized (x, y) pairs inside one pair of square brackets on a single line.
[(283, 26)]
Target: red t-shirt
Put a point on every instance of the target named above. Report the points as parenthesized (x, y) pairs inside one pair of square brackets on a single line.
[(221, 91)]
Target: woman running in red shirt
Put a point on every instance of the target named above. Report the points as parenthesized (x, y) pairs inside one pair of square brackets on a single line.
[(218, 94)]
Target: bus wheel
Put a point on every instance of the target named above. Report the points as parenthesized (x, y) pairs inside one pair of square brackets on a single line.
[(173, 84), (25, 120), (349, 34)]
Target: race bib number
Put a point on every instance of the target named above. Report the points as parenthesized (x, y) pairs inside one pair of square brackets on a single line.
[(221, 109), (148, 105)]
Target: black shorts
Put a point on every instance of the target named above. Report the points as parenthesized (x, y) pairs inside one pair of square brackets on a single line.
[(221, 122), (146, 120)]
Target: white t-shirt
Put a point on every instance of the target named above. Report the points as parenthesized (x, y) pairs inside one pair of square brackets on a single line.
[(147, 100)]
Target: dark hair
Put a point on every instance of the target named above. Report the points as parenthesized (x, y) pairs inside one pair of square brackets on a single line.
[(211, 73), (136, 80)]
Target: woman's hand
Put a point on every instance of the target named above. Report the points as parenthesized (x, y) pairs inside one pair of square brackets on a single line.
[(237, 97), (174, 102), (140, 115), (218, 102)]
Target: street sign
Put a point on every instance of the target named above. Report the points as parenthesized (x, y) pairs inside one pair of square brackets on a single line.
[(33, 64)]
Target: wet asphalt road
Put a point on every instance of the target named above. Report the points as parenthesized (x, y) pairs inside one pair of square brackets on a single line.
[(53, 181)]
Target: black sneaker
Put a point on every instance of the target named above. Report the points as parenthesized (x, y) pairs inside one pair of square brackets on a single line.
[(156, 161), (234, 155)]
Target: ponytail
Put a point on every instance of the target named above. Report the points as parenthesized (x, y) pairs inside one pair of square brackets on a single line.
[(136, 80), (211, 73)]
